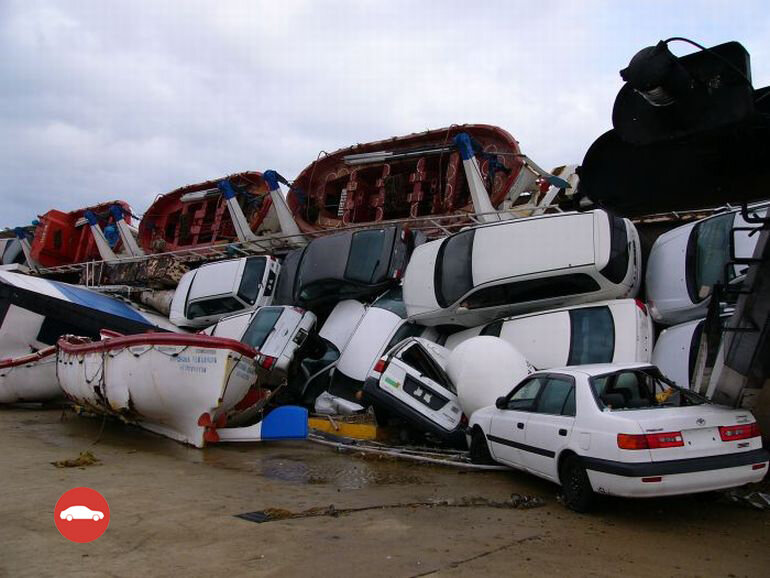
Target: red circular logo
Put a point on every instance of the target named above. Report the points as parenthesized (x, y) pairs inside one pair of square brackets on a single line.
[(81, 515)]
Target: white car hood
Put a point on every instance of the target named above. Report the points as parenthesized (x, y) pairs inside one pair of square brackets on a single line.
[(419, 290)]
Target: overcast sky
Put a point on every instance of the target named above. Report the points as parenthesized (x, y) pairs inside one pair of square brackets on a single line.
[(102, 100)]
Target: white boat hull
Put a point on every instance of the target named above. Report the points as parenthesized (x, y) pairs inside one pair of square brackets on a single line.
[(30, 378), (180, 386)]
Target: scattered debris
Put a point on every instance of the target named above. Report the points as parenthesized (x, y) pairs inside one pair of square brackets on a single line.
[(373, 450), (84, 459), (754, 498), (516, 501)]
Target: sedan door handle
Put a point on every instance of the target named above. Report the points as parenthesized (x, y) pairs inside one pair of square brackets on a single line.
[(520, 425), (563, 432)]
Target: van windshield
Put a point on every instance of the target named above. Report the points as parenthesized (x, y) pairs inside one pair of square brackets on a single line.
[(453, 276), (252, 279), (365, 256), (592, 336), (708, 251)]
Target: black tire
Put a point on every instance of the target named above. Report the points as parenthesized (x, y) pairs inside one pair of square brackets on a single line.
[(479, 450), (575, 485)]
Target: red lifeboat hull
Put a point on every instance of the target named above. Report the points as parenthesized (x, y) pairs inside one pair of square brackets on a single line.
[(58, 241), (331, 193), (171, 224)]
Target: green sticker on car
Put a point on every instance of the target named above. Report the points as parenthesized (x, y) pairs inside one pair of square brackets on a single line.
[(392, 382)]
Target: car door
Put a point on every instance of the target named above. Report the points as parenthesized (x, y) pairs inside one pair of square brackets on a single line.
[(415, 376), (507, 427), (549, 426)]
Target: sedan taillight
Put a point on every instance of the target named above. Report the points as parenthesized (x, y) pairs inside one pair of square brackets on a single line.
[(654, 441), (739, 432)]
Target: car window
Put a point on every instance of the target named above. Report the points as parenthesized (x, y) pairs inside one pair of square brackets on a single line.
[(531, 290), (217, 306), (392, 301), (404, 332), (252, 279), (569, 404), (261, 326), (493, 328), (592, 336), (617, 266), (328, 289), (640, 389), (415, 357), (708, 251), (453, 276), (524, 396), (365, 254), (554, 396)]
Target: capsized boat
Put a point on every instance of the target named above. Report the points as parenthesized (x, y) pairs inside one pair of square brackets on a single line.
[(35, 312), (65, 238), (182, 386), (410, 176), (199, 215), (30, 378)]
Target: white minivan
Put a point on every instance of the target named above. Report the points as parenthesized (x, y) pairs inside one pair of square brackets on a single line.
[(214, 290), (685, 264), (523, 265), (614, 331)]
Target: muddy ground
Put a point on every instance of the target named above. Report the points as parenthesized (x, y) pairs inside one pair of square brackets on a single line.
[(173, 514)]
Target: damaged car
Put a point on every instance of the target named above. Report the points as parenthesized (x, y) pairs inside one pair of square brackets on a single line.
[(615, 331), (347, 265), (522, 265), (622, 430), (410, 382), (276, 332)]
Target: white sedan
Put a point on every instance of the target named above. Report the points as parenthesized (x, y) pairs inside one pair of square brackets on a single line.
[(620, 430)]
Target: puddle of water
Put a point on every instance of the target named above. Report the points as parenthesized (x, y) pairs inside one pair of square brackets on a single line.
[(352, 475)]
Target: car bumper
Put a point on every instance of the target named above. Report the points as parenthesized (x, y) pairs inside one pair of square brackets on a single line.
[(374, 395), (675, 477)]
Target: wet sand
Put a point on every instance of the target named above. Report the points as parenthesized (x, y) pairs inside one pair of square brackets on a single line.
[(173, 512)]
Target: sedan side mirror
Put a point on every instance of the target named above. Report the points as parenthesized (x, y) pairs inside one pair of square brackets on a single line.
[(501, 403)]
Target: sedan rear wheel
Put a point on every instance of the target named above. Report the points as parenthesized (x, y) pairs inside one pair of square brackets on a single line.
[(576, 487), (479, 449)]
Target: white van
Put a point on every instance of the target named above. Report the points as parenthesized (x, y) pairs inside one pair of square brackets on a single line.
[(523, 265), (214, 290), (615, 331), (686, 262), (276, 332)]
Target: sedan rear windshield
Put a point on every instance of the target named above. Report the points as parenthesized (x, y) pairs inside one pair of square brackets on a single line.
[(708, 251), (640, 389), (261, 326), (217, 306), (453, 275)]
